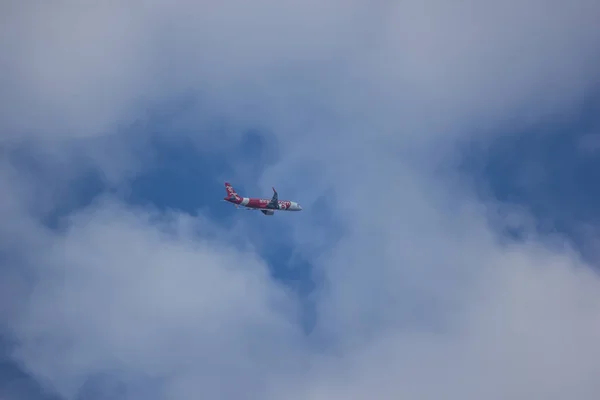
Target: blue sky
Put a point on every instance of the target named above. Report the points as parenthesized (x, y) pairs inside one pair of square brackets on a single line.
[(549, 172), (446, 166)]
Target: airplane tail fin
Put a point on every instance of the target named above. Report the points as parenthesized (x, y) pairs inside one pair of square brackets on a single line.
[(231, 193)]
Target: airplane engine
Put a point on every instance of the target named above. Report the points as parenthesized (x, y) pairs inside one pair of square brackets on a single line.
[(268, 212)]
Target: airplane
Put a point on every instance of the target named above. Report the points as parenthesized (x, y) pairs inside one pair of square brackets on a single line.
[(267, 207)]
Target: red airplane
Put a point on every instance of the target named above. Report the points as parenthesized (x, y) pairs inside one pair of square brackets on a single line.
[(267, 207)]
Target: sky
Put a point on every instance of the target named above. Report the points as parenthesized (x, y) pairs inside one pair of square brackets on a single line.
[(446, 158)]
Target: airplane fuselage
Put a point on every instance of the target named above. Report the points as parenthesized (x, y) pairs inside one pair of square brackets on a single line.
[(262, 204), (266, 206)]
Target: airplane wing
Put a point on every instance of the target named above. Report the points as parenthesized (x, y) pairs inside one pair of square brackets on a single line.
[(274, 203)]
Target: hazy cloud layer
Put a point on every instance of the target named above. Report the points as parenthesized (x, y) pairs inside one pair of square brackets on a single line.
[(81, 68), (365, 101)]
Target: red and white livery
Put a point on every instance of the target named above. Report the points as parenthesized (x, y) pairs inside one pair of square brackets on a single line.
[(266, 206)]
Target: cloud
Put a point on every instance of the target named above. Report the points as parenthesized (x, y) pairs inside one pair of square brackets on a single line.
[(482, 320), (73, 75), (124, 290), (365, 102)]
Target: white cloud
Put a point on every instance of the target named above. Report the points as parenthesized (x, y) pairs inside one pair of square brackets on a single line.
[(421, 298), (82, 67), (127, 291)]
